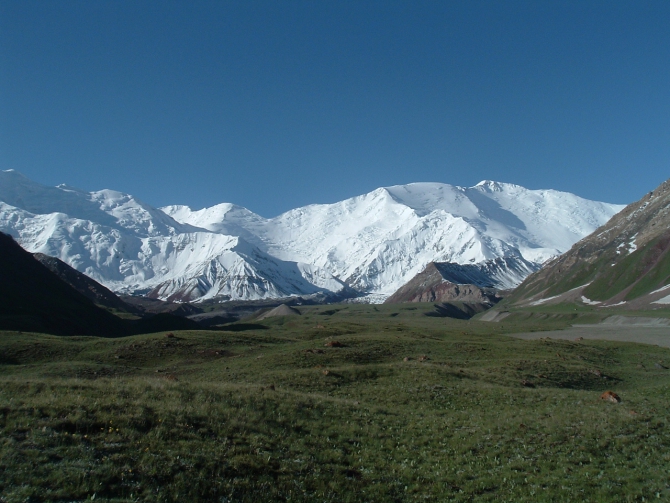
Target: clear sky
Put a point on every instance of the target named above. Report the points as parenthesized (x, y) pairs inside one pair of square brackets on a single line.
[(278, 104)]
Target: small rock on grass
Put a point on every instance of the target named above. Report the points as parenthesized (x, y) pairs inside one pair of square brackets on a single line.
[(610, 396)]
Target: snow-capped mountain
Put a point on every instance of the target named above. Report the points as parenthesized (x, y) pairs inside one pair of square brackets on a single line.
[(373, 243), (378, 241), (131, 247)]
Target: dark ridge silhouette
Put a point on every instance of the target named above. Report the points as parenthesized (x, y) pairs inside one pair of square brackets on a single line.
[(32, 298), (88, 287)]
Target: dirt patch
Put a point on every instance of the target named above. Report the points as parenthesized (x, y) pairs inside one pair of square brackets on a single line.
[(635, 321), (624, 333), (214, 353)]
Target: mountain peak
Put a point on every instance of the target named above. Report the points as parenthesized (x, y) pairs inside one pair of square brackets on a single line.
[(493, 186), (16, 176)]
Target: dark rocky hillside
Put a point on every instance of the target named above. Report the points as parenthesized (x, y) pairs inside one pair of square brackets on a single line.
[(32, 298), (88, 287)]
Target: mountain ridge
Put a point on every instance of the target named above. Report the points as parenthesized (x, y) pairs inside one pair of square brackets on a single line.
[(370, 244), (410, 209), (624, 262)]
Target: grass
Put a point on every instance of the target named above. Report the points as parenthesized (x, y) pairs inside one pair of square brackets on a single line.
[(605, 273), (268, 412), (643, 271), (656, 277)]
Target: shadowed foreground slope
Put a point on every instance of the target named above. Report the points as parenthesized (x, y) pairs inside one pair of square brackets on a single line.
[(32, 298), (99, 294)]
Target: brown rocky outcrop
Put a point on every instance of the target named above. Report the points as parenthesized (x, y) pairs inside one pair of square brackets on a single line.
[(431, 286)]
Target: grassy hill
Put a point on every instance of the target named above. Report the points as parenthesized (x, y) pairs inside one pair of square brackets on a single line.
[(625, 261), (343, 403)]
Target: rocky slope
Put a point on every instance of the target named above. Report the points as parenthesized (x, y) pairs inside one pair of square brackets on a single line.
[(89, 288), (437, 283), (626, 262)]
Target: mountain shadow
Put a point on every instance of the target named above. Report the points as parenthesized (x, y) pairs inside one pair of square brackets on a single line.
[(34, 299)]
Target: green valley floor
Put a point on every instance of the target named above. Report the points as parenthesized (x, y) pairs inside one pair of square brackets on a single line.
[(343, 403)]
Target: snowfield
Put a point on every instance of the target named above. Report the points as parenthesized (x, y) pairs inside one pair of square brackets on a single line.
[(369, 245)]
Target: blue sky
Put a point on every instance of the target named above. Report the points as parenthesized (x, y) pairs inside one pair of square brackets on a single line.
[(278, 104)]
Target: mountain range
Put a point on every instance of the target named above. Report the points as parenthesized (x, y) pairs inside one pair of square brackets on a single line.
[(367, 246)]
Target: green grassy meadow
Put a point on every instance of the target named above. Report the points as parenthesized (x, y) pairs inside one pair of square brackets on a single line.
[(279, 411)]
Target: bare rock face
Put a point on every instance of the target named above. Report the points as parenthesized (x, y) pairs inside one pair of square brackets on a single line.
[(431, 286), (447, 292)]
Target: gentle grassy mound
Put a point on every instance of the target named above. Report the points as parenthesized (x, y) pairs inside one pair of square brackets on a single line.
[(323, 407)]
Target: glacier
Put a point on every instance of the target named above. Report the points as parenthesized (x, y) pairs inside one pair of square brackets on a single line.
[(366, 246)]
